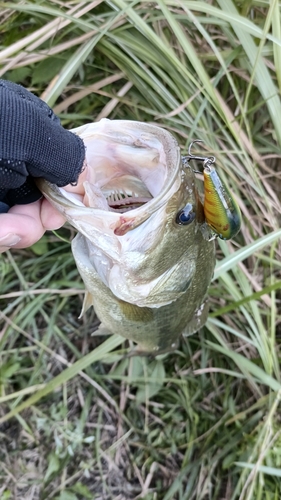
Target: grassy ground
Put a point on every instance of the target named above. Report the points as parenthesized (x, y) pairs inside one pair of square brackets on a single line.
[(79, 421)]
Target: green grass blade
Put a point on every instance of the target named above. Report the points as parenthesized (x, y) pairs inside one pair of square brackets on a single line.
[(232, 260)]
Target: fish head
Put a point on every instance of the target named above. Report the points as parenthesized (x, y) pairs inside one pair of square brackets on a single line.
[(139, 212)]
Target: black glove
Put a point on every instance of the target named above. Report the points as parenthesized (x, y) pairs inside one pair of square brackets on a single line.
[(33, 144)]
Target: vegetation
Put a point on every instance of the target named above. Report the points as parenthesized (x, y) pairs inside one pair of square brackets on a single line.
[(80, 419)]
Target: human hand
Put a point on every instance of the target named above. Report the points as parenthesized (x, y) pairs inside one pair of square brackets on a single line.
[(23, 225), (32, 144)]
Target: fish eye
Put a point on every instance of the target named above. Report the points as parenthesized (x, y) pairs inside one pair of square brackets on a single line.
[(186, 215)]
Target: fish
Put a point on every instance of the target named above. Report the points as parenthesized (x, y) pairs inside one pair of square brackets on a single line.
[(141, 247)]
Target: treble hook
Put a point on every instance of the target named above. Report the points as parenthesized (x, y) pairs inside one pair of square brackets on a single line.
[(207, 160)]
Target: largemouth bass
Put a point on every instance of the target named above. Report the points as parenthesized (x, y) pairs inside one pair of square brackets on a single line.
[(142, 248)]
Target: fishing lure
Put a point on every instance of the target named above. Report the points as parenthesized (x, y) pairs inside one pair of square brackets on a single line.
[(221, 211)]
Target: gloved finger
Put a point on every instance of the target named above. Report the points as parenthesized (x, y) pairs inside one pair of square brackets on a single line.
[(12, 173), (28, 192), (4, 207), (34, 141), (24, 95)]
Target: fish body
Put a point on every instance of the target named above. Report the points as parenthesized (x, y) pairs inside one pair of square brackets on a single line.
[(141, 247)]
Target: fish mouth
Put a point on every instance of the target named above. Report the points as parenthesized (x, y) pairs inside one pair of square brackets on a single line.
[(133, 169)]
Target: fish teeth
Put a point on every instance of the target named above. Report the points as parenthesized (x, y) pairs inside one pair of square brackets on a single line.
[(118, 195)]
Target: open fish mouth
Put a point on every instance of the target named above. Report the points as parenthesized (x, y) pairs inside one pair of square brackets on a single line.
[(132, 172)]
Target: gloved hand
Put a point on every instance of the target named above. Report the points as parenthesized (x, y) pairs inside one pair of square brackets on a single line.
[(33, 144)]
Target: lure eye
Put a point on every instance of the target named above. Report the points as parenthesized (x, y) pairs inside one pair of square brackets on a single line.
[(186, 215)]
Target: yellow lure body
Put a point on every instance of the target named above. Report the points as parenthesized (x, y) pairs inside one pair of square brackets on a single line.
[(221, 211)]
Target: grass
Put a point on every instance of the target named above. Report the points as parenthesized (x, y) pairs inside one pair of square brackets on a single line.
[(80, 419)]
